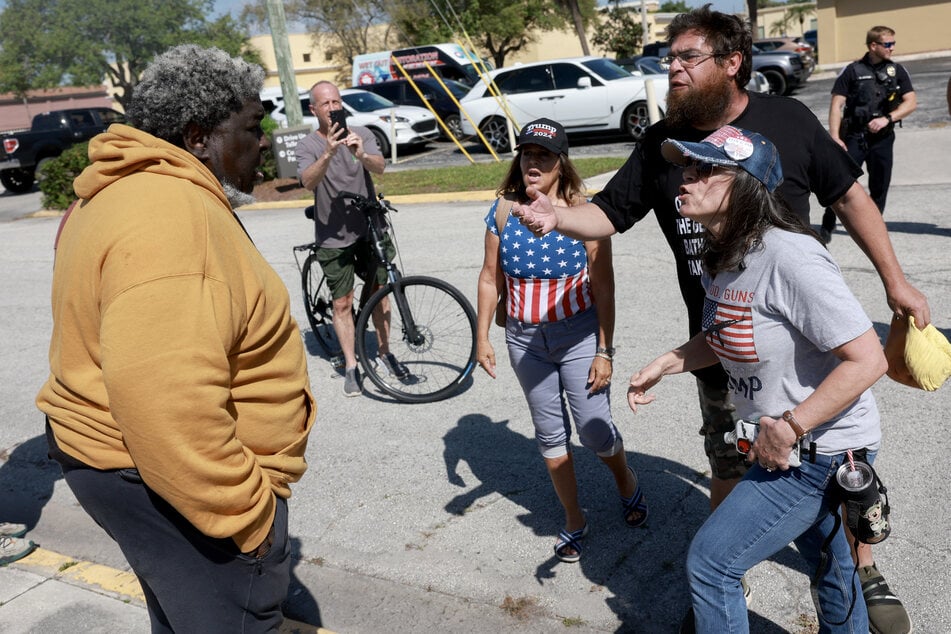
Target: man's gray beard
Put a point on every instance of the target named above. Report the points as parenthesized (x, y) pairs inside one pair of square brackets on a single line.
[(698, 106), (236, 197)]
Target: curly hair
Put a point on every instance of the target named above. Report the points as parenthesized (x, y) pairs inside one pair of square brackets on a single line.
[(724, 32), (188, 84), (750, 212), (570, 186)]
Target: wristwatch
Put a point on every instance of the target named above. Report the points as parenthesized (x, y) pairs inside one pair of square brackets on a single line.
[(888, 116), (794, 424)]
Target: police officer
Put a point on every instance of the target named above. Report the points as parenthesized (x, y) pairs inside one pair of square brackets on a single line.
[(868, 98)]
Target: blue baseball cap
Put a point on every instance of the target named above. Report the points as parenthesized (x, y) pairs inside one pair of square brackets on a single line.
[(732, 147)]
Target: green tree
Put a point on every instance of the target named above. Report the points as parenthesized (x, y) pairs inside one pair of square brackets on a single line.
[(499, 27), (674, 7), (799, 11), (48, 43), (621, 33)]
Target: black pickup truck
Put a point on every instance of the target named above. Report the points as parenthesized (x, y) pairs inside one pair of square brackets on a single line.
[(50, 133)]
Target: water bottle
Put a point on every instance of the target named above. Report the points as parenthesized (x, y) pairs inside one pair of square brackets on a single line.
[(866, 514)]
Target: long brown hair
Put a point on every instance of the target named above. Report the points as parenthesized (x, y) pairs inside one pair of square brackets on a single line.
[(570, 186), (750, 212)]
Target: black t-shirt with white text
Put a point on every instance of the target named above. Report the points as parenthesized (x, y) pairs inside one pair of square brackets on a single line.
[(811, 162)]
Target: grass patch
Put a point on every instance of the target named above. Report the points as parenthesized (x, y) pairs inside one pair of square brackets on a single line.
[(474, 177), (522, 608)]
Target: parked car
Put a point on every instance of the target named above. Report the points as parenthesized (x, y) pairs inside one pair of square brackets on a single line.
[(400, 91), (785, 70), (50, 133), (812, 36), (651, 65), (795, 44), (412, 126), (584, 94)]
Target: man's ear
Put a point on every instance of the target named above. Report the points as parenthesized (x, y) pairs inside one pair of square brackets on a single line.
[(733, 62), (196, 141)]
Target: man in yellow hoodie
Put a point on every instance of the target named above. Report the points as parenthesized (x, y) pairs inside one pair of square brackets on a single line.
[(178, 401)]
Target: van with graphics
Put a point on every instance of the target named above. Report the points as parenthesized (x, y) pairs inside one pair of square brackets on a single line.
[(449, 61)]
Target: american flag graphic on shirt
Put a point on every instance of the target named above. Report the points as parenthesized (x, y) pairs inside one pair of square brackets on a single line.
[(729, 331), (547, 277)]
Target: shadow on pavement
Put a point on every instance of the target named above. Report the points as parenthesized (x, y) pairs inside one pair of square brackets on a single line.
[(640, 571)]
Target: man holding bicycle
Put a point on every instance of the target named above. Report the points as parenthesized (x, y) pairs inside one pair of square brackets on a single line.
[(332, 160)]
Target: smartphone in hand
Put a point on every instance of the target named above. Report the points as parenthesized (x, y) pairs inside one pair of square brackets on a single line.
[(340, 118)]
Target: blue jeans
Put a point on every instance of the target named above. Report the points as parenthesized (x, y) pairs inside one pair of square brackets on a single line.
[(765, 512)]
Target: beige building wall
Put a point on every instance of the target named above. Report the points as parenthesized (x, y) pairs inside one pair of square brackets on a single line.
[(921, 26)]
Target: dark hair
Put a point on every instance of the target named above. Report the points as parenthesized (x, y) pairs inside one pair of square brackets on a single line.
[(570, 185), (189, 84), (750, 212), (724, 32)]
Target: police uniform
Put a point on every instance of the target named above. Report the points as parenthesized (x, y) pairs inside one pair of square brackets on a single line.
[(870, 91)]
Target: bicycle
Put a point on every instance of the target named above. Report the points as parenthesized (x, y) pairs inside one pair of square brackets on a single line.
[(435, 320)]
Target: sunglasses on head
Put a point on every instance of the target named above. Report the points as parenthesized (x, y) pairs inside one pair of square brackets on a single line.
[(887, 44)]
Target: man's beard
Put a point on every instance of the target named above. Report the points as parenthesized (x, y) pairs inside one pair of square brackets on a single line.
[(698, 105), (236, 197)]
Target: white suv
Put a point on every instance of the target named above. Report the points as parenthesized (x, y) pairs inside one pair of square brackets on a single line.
[(584, 94), (412, 126)]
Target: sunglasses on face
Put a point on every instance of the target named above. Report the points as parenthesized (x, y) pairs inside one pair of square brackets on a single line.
[(886, 44), (704, 169)]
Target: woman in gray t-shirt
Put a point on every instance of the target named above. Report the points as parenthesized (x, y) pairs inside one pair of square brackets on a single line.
[(800, 355)]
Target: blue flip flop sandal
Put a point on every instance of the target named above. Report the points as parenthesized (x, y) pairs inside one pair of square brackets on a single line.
[(571, 540)]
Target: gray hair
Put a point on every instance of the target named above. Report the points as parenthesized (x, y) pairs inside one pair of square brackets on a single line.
[(189, 84)]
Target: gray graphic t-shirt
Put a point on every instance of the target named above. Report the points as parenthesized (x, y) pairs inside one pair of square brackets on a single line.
[(773, 326)]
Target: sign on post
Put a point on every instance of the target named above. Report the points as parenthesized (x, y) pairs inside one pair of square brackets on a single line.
[(284, 145)]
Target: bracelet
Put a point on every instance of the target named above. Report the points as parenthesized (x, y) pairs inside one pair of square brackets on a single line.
[(607, 351), (794, 424), (604, 355)]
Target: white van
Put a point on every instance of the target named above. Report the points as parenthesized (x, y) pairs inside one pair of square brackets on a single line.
[(449, 61)]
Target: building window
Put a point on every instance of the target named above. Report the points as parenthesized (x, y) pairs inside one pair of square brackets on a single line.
[(307, 57)]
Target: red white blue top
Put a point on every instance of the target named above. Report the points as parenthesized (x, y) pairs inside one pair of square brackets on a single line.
[(547, 278)]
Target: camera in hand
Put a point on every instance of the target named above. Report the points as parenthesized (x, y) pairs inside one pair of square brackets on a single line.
[(744, 435), (340, 118)]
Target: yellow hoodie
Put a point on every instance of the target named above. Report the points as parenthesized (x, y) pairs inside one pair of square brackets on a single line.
[(173, 348)]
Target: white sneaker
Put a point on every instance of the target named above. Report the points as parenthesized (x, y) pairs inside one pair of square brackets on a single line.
[(14, 548), (9, 529)]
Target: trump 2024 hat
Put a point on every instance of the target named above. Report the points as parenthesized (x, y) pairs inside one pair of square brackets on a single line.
[(731, 147), (546, 133)]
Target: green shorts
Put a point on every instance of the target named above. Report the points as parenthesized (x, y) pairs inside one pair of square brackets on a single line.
[(342, 266), (717, 410)]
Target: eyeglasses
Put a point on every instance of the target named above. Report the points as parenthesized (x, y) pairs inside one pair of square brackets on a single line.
[(886, 44), (689, 59)]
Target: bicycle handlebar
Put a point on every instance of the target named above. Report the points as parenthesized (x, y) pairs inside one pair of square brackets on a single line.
[(366, 205)]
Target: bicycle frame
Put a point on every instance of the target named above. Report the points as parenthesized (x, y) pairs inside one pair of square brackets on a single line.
[(375, 211)]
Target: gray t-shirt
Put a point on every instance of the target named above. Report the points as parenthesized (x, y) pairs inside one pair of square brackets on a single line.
[(773, 326), (337, 224)]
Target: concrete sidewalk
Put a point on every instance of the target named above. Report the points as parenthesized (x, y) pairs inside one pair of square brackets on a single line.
[(443, 520)]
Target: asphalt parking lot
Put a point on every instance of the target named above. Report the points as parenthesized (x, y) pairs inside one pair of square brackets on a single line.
[(440, 517)]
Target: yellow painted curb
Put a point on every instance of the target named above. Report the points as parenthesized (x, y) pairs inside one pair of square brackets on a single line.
[(125, 584), (441, 197)]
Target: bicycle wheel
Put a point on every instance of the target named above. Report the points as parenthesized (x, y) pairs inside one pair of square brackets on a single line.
[(443, 355), (318, 305)]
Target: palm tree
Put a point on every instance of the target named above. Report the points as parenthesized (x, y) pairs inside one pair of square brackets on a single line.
[(800, 12), (575, 11)]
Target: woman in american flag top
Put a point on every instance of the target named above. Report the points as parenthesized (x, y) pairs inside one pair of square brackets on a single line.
[(801, 356), (559, 327)]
